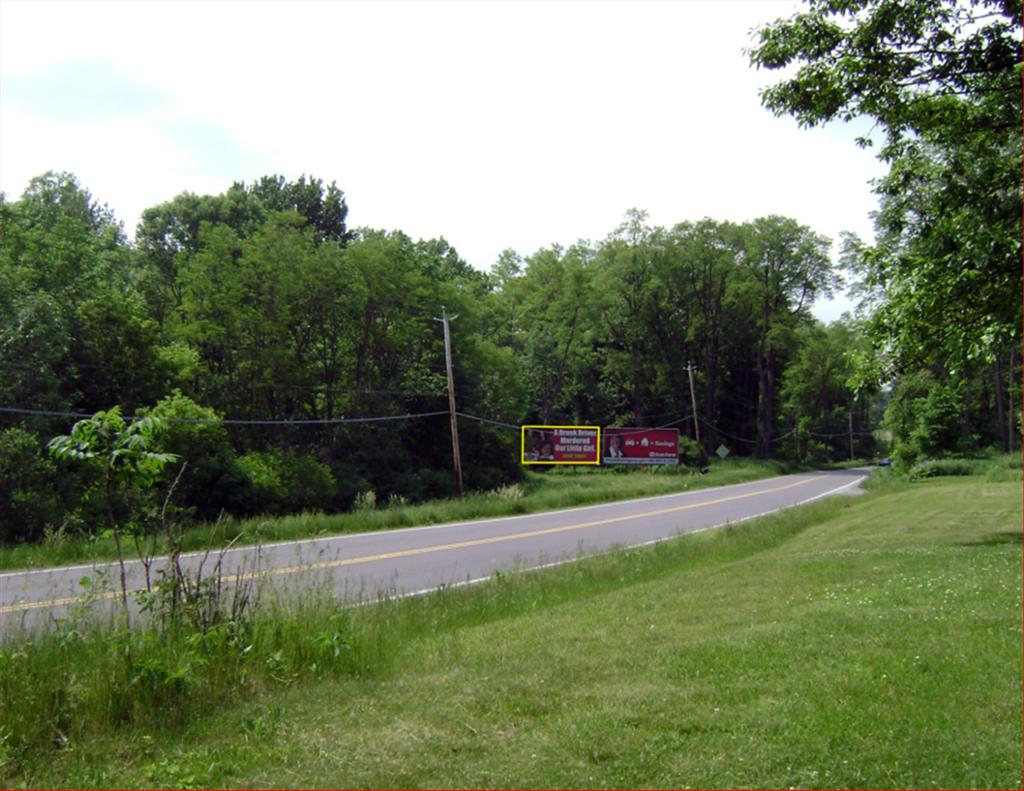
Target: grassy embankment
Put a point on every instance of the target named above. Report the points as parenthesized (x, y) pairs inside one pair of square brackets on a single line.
[(856, 642), (555, 488)]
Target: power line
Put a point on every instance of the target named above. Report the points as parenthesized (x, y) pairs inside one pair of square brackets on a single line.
[(839, 434), (716, 429), (487, 420), (408, 416), (232, 422)]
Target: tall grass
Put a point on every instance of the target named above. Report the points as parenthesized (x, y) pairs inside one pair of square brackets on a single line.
[(88, 679)]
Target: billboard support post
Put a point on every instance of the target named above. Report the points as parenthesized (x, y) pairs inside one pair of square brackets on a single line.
[(451, 400)]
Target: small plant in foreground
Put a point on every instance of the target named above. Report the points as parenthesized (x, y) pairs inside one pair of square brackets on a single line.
[(121, 452)]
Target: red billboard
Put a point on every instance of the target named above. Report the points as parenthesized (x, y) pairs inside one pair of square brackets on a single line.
[(640, 446)]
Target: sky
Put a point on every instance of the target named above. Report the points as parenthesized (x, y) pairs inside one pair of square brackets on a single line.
[(493, 124)]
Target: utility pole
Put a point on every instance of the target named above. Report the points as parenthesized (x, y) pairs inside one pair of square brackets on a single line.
[(696, 424), (451, 400)]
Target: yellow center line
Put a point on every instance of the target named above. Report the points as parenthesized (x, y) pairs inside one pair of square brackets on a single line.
[(405, 553)]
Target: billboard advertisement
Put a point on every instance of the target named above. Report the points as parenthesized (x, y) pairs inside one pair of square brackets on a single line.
[(641, 446), (560, 444)]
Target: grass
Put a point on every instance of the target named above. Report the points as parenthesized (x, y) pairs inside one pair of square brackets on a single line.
[(856, 642), (539, 492)]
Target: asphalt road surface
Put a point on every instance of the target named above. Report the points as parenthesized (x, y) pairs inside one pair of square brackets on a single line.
[(412, 560)]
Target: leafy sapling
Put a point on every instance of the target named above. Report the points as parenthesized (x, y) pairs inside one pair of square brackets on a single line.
[(121, 452)]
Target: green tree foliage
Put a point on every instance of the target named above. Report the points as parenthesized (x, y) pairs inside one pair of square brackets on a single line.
[(260, 315), (626, 303), (787, 266), (122, 453), (170, 234), (829, 418), (927, 418), (697, 314), (942, 78), (283, 481), (29, 497), (547, 313), (215, 480)]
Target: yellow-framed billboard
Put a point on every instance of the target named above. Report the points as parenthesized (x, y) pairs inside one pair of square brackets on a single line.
[(560, 444)]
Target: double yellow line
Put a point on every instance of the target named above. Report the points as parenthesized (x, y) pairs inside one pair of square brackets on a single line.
[(406, 553)]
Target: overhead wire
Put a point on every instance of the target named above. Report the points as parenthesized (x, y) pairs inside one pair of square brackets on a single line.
[(406, 416), (234, 422)]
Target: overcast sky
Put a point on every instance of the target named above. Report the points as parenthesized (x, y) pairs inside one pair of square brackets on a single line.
[(492, 124)]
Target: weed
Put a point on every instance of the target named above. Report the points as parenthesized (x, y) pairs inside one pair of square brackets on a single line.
[(365, 501)]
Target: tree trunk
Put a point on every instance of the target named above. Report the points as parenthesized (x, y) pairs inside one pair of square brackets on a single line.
[(1001, 425), (711, 396), (765, 402), (1011, 415)]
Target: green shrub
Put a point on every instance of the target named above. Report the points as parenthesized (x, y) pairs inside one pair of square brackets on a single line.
[(905, 455), (214, 480), (935, 468), (287, 482), (29, 500)]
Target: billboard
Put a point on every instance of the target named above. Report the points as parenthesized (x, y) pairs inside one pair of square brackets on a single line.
[(560, 444), (641, 446)]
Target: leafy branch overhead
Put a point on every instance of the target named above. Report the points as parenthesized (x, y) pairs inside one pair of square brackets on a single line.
[(918, 67), (942, 79)]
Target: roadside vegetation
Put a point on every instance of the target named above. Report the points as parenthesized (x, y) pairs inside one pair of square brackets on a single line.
[(537, 491), (868, 641)]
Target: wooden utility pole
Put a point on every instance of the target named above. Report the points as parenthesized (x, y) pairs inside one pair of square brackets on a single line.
[(451, 400), (849, 416), (696, 424)]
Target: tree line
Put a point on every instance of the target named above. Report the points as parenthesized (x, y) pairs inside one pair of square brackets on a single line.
[(256, 321)]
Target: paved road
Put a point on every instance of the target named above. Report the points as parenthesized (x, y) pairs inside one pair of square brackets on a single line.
[(421, 558)]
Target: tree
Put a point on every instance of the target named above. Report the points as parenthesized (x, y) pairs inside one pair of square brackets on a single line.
[(942, 78), (926, 416), (170, 234), (818, 395), (788, 266), (122, 453), (29, 500), (701, 263), (67, 287), (623, 289), (550, 317), (921, 68)]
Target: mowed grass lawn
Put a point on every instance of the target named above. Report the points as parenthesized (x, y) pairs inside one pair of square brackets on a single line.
[(878, 647)]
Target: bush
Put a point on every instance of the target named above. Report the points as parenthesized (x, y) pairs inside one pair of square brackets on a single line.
[(214, 480), (939, 467), (287, 482), (29, 500), (905, 454)]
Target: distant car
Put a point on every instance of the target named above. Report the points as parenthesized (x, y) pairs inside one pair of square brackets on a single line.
[(886, 462)]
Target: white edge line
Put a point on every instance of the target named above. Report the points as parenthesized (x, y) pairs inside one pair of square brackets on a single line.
[(618, 548), (395, 531)]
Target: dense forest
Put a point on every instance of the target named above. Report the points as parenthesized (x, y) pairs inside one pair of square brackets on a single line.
[(299, 362)]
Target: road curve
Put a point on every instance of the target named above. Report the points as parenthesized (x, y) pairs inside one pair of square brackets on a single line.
[(411, 560)]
